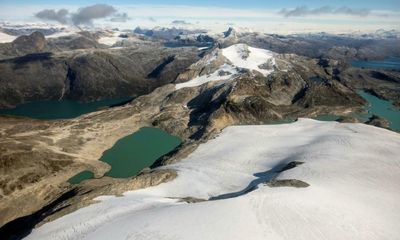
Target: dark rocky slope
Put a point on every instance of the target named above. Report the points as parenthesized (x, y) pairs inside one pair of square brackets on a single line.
[(384, 84), (87, 75)]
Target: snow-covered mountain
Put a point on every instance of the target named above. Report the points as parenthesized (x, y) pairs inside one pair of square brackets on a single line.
[(9, 31), (168, 33), (304, 180), (227, 63), (230, 33), (107, 36)]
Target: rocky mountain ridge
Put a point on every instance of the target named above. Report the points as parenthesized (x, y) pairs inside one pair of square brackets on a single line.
[(90, 74)]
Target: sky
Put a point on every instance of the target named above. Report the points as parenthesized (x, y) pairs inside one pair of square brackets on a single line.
[(283, 16), (248, 4)]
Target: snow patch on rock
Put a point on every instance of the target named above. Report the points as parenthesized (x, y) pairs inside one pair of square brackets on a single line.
[(225, 72), (111, 38)]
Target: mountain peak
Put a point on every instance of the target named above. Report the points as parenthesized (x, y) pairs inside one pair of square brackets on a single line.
[(35, 42), (231, 32), (246, 57), (228, 64)]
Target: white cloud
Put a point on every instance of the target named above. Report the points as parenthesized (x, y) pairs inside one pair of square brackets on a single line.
[(305, 11), (180, 23), (267, 20)]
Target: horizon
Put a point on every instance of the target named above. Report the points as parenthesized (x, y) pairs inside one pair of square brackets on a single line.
[(265, 16)]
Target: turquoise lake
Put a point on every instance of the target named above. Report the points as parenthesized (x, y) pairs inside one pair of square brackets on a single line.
[(133, 153), (140, 150), (382, 108), (63, 109)]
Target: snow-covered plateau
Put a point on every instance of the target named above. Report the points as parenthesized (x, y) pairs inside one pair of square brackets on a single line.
[(342, 182)]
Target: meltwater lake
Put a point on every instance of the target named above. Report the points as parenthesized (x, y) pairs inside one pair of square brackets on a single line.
[(63, 109), (133, 153), (140, 150)]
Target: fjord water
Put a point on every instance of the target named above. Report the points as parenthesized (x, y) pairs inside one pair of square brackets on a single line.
[(60, 109), (391, 63), (140, 150), (382, 108)]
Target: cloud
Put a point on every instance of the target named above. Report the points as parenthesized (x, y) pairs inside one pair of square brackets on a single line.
[(180, 22), (53, 15), (87, 14), (120, 17), (151, 19), (254, 19), (303, 11), (350, 11), (84, 15)]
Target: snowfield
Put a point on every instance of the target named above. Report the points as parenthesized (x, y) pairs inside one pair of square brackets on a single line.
[(243, 56), (24, 28), (238, 56), (225, 72), (353, 172), (112, 38), (64, 33), (5, 38)]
